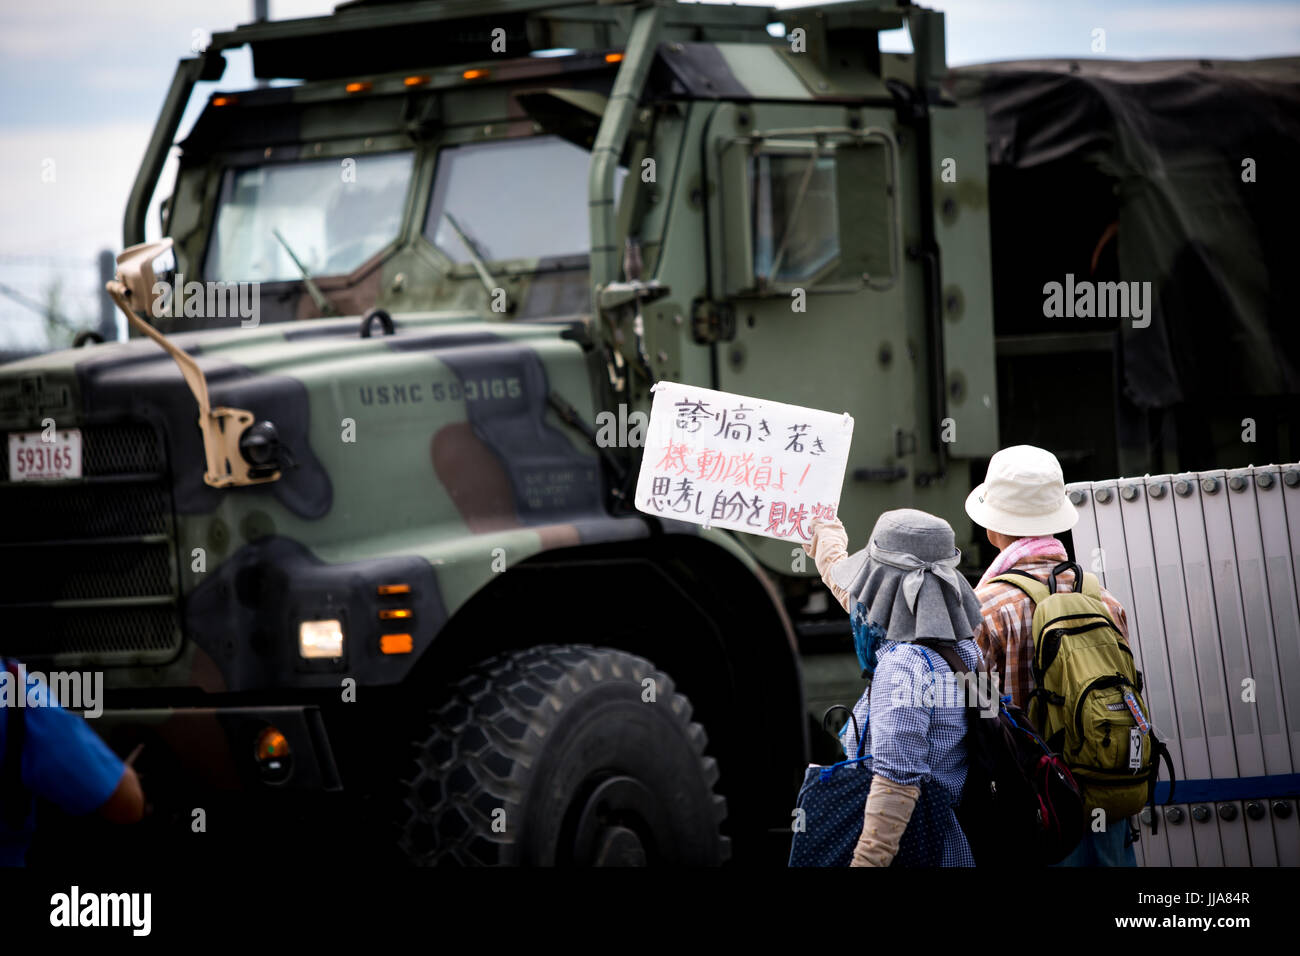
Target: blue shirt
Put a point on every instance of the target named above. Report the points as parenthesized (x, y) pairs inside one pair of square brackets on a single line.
[(914, 718), (63, 761)]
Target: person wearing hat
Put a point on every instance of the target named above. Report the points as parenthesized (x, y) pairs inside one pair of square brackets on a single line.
[(901, 588), (1022, 506)]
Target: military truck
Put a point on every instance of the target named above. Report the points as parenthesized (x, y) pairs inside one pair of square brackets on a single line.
[(396, 558)]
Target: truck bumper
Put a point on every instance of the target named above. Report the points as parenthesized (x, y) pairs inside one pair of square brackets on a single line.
[(216, 747)]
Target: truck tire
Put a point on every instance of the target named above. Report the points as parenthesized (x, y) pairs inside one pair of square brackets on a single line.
[(554, 756)]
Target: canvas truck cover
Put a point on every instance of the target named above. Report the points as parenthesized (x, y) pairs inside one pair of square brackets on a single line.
[(1182, 139)]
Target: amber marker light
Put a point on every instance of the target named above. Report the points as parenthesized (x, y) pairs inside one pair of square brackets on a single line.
[(357, 88), (271, 753), (388, 589), (224, 100), (271, 745), (415, 80), (396, 644), (396, 614), (474, 74), (613, 57)]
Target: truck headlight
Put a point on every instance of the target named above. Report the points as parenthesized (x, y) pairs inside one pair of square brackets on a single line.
[(318, 639)]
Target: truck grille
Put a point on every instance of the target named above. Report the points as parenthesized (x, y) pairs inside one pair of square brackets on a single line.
[(88, 566)]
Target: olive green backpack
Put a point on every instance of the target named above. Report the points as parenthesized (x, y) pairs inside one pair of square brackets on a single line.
[(1087, 701)]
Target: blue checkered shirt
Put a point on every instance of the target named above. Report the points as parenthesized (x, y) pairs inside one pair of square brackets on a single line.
[(915, 726)]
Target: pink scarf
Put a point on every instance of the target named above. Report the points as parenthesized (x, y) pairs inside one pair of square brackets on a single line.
[(1017, 551)]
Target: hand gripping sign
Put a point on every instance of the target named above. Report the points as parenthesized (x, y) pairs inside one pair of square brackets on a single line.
[(747, 464)]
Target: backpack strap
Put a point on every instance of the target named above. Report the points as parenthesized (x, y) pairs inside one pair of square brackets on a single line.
[(1026, 582), (1159, 752), (14, 798), (1091, 586), (948, 651), (1038, 593)]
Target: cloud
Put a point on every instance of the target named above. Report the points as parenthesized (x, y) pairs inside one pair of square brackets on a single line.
[(1207, 19), (80, 210), (66, 30)]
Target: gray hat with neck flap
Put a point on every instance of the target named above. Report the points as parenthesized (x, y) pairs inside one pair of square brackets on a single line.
[(906, 578)]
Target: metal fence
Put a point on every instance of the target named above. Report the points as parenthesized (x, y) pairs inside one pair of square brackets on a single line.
[(25, 285), (1207, 565)]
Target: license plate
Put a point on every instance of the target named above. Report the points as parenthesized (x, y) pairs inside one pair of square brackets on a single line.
[(31, 459)]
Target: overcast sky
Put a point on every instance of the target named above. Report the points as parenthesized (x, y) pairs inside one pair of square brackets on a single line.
[(84, 80)]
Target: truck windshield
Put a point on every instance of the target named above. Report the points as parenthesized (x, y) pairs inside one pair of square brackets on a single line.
[(513, 199), (333, 213)]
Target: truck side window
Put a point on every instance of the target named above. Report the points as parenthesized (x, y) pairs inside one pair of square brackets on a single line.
[(796, 229)]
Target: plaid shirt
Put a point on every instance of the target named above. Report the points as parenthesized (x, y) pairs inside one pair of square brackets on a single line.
[(1006, 631)]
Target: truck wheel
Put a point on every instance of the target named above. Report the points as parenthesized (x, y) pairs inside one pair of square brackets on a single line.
[(555, 756)]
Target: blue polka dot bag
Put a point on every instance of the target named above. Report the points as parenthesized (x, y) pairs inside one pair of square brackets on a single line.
[(833, 800)]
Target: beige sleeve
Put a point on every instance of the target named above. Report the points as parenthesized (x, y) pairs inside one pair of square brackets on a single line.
[(829, 546), (889, 807)]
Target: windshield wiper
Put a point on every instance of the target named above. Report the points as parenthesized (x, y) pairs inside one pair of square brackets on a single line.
[(480, 267), (322, 303)]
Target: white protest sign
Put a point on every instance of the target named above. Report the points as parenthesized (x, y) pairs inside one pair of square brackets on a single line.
[(731, 461)]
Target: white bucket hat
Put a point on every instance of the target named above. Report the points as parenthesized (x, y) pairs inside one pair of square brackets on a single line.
[(1023, 494)]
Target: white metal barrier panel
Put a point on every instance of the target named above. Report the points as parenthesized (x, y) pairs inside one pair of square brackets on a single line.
[(1207, 566)]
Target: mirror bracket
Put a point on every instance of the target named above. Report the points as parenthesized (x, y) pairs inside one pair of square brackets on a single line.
[(133, 289)]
